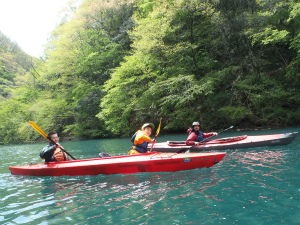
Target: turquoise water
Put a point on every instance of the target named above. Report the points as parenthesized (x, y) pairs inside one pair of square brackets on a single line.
[(249, 186)]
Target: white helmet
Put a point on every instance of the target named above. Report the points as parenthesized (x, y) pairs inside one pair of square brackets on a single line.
[(196, 124), (148, 125)]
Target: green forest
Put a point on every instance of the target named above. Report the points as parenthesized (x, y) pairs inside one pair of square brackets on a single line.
[(110, 66)]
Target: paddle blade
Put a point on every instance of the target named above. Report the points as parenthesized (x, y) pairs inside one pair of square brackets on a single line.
[(158, 129), (38, 129)]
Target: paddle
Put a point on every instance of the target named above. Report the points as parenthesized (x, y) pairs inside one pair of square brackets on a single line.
[(184, 150), (157, 132), (38, 129)]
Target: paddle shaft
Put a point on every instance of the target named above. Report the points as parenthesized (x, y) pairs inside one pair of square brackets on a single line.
[(153, 143), (213, 135), (157, 132)]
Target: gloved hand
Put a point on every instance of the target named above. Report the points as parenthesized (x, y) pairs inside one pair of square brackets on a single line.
[(215, 133), (196, 143)]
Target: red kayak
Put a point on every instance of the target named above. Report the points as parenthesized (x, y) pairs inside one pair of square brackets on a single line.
[(147, 162), (227, 143)]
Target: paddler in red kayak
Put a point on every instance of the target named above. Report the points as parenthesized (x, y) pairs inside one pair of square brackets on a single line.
[(196, 136), (141, 138), (53, 152)]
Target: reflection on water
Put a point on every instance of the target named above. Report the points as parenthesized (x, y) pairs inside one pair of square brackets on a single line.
[(261, 157), (265, 163), (103, 196)]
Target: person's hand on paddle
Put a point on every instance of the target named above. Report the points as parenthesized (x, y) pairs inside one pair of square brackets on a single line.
[(153, 141), (196, 143), (215, 133)]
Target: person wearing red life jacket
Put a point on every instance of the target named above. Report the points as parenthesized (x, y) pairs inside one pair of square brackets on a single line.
[(53, 152), (196, 136)]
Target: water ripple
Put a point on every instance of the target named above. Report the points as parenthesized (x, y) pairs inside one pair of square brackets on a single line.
[(246, 187)]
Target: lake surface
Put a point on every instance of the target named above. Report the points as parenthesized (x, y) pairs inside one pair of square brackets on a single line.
[(249, 186)]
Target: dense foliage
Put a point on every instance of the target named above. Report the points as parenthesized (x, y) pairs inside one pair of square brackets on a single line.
[(110, 66)]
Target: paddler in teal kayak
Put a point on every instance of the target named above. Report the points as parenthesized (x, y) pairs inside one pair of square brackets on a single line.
[(53, 152), (196, 136), (141, 139)]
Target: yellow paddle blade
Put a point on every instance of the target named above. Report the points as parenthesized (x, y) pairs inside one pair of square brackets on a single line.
[(38, 129), (158, 129)]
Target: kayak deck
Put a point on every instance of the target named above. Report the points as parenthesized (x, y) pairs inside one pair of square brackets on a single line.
[(147, 162), (214, 141)]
